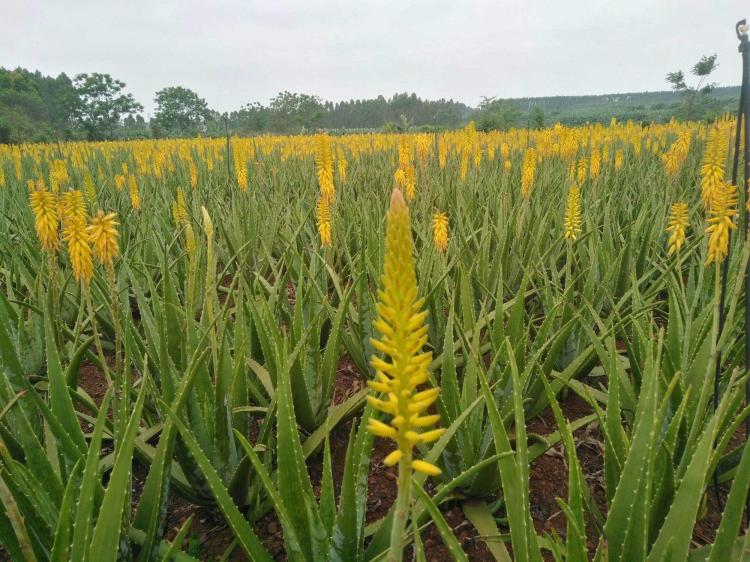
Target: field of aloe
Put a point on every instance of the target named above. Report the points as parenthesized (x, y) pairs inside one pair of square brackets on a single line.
[(469, 346)]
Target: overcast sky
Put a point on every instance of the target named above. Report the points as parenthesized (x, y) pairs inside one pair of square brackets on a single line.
[(234, 52)]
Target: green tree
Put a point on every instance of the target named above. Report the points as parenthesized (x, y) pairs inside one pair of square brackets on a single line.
[(101, 104), (292, 112), (250, 118), (34, 107), (20, 106), (697, 102), (496, 114), (536, 117), (180, 111)]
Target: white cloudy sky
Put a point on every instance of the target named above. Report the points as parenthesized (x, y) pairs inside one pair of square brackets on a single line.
[(234, 52)]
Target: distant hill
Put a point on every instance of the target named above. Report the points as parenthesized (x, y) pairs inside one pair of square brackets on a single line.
[(639, 106), (629, 99)]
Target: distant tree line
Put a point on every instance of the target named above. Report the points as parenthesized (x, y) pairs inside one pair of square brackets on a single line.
[(35, 108)]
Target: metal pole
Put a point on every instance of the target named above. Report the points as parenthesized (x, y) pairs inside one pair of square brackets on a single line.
[(744, 48), (741, 116)]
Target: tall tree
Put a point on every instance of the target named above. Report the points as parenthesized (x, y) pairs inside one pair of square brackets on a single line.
[(292, 112), (21, 106), (250, 118), (496, 114), (536, 117), (180, 111), (697, 104), (102, 104)]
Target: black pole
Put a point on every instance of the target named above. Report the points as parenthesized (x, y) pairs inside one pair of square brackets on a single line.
[(744, 48), (741, 113)]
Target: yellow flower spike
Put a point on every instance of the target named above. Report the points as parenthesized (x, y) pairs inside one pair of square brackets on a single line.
[(73, 206), (677, 153), (411, 181), (528, 172), (179, 209), (341, 165), (399, 178), (46, 219), (401, 324), (713, 166), (440, 230), (572, 221), (595, 164), (324, 166), (79, 249), (678, 224), (721, 220), (323, 220), (103, 233)]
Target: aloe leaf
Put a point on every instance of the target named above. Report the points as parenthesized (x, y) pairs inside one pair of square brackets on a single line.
[(105, 540), (479, 514), (240, 527), (449, 539)]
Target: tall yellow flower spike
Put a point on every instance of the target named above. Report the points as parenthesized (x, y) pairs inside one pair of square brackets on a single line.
[(399, 179), (440, 230), (79, 249), (528, 172), (72, 206), (721, 222), (595, 164), (103, 232), (135, 196), (342, 165), (46, 219), (712, 168), (179, 209), (403, 334), (572, 220), (676, 155), (324, 166), (678, 224), (76, 234), (323, 219), (240, 167)]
